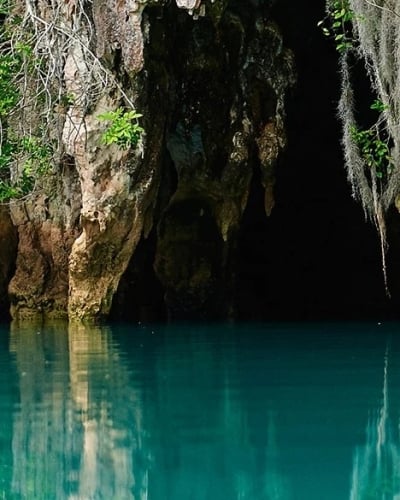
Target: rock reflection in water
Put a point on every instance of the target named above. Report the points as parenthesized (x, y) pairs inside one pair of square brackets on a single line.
[(43, 417), (78, 426), (186, 412), (148, 418), (376, 466)]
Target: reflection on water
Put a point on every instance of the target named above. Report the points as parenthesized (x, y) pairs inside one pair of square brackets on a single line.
[(376, 468), (77, 429), (110, 412), (196, 413)]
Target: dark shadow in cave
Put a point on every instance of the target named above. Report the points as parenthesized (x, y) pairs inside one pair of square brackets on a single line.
[(140, 296), (189, 256), (315, 257)]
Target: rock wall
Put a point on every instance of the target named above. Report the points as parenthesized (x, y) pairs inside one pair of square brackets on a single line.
[(47, 226), (210, 80), (8, 253)]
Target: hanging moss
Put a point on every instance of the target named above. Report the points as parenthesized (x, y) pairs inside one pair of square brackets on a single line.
[(370, 32)]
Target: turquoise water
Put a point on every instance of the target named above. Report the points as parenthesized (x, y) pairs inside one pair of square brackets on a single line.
[(205, 413)]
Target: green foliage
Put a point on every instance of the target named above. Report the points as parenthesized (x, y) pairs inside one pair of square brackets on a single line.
[(36, 155), (12, 62), (67, 99), (9, 94), (378, 105), (4, 7), (27, 157), (337, 24), (123, 129), (30, 158), (374, 151)]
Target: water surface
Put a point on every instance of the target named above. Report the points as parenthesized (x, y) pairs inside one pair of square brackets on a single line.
[(307, 412)]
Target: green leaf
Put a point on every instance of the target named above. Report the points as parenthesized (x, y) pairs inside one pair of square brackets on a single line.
[(106, 116), (378, 105), (124, 129)]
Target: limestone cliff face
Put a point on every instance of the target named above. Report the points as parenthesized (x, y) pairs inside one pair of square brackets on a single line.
[(210, 80)]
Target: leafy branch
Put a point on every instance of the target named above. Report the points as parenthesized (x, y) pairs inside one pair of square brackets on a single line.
[(374, 151), (337, 24), (29, 159), (123, 130)]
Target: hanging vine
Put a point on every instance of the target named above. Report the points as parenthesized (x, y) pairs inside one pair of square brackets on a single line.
[(37, 43), (369, 31)]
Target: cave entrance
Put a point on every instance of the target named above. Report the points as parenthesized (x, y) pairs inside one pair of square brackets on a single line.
[(315, 257)]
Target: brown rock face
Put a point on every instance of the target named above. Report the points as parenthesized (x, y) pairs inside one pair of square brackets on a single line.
[(46, 231), (211, 88), (8, 254)]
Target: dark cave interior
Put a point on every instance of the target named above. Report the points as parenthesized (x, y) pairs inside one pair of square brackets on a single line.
[(315, 257)]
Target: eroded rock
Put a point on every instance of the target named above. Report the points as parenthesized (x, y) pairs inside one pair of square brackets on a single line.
[(211, 89), (45, 236)]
